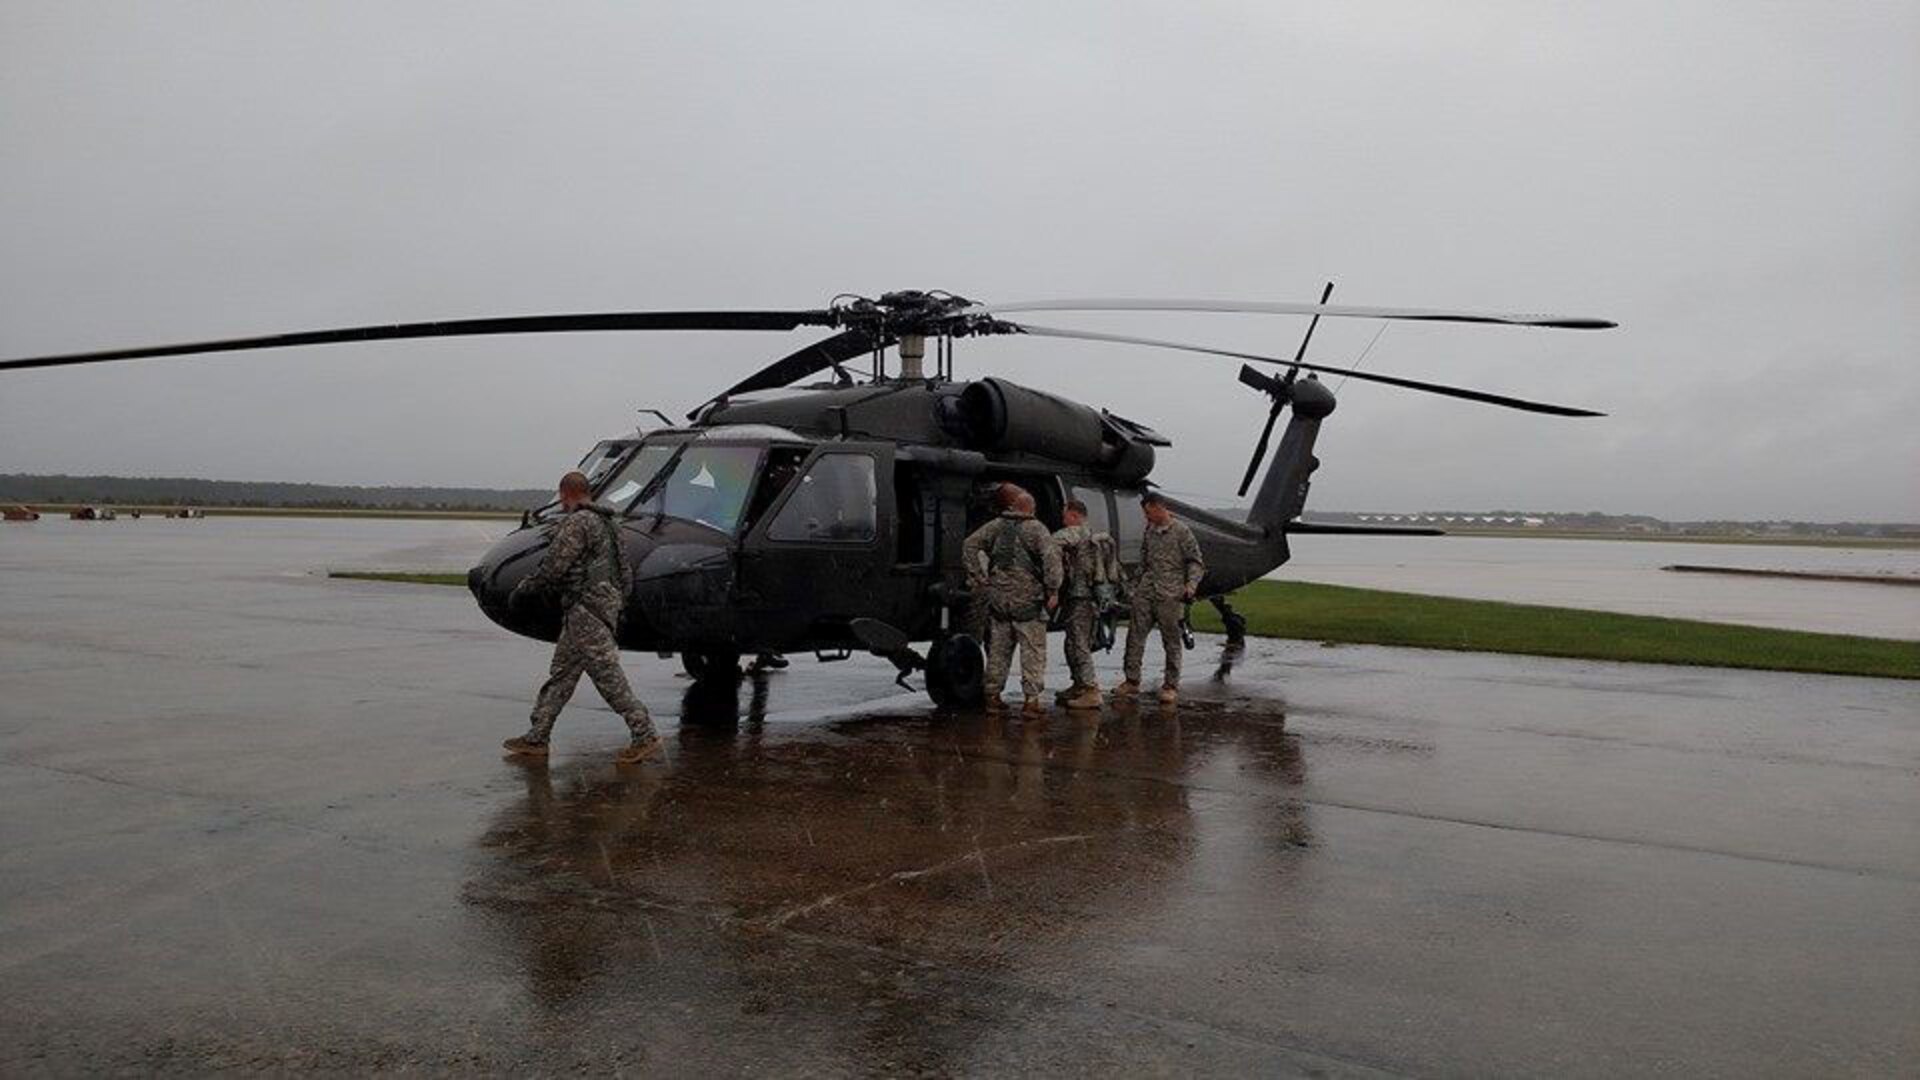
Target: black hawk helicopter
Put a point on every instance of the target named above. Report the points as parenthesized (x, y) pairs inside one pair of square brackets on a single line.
[(829, 516)]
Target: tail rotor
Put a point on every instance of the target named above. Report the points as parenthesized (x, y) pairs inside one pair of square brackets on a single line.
[(1280, 390)]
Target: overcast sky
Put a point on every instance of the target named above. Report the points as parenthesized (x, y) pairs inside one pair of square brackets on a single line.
[(1738, 185)]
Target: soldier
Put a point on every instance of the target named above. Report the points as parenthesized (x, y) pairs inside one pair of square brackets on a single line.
[(1092, 571), (1169, 576), (586, 566), (1021, 584)]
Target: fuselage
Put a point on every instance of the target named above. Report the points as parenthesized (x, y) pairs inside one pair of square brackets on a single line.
[(751, 535)]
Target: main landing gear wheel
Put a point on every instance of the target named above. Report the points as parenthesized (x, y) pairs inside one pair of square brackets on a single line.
[(956, 672), (709, 666)]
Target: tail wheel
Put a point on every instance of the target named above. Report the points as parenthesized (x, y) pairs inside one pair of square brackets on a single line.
[(956, 672), (707, 666)]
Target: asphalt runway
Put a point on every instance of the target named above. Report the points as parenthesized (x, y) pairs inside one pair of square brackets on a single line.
[(257, 819)]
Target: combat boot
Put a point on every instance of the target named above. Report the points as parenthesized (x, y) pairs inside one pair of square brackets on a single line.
[(640, 750), (1087, 697), (996, 703), (1033, 706), (1129, 688), (519, 745), (1061, 697), (1169, 695)]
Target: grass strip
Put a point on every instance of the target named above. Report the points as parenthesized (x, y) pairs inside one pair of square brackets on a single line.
[(60, 510), (1337, 613), (403, 577)]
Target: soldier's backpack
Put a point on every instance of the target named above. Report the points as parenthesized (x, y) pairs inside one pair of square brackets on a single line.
[(1005, 550), (611, 566)]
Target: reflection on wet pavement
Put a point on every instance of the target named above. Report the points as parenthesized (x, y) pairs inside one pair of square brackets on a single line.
[(989, 846)]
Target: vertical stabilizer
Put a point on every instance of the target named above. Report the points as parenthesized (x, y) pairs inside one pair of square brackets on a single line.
[(1283, 492)]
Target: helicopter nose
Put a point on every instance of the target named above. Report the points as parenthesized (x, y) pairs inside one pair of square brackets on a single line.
[(505, 565), (511, 560)]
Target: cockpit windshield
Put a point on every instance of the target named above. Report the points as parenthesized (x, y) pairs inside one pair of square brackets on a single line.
[(597, 463), (625, 485), (603, 457), (709, 484)]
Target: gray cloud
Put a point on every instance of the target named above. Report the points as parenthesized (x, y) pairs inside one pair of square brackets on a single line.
[(1737, 184)]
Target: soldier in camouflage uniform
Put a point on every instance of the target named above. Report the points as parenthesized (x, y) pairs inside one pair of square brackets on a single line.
[(1092, 572), (1169, 576), (1021, 585), (586, 567)]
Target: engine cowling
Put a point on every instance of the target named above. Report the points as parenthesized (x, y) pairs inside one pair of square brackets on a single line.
[(997, 415)]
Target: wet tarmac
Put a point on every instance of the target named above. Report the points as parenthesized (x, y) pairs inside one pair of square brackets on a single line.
[(256, 819)]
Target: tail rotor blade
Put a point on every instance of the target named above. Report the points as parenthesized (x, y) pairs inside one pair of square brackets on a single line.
[(1260, 448)]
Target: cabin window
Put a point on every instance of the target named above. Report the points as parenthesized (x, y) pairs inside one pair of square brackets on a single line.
[(1130, 524), (914, 520), (837, 500), (1099, 516)]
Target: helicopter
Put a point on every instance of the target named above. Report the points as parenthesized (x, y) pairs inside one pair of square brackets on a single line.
[(783, 517)]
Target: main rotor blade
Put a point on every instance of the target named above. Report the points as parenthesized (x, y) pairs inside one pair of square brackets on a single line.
[(515, 324), (1365, 376), (816, 357), (1300, 353), (1564, 322)]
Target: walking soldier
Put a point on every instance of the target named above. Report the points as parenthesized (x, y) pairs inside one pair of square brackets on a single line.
[(588, 571)]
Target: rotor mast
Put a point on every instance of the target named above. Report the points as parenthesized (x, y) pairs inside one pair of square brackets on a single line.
[(913, 351)]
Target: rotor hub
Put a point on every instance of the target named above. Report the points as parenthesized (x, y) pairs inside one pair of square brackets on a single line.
[(911, 312)]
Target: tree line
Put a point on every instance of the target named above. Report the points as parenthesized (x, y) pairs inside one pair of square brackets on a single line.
[(191, 491)]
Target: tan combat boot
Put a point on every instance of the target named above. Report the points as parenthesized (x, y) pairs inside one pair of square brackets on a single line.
[(519, 745), (996, 704), (1033, 706), (1169, 695), (637, 752), (1128, 688), (1087, 697)]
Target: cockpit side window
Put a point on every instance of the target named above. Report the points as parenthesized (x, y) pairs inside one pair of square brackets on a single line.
[(783, 463), (837, 500)]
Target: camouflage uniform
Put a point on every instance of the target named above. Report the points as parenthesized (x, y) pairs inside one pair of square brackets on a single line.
[(1170, 564), (585, 565), (1090, 564), (1023, 569)]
